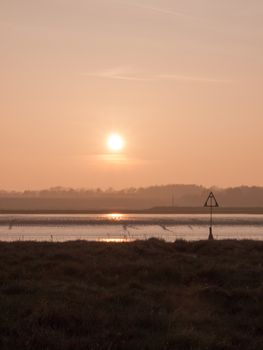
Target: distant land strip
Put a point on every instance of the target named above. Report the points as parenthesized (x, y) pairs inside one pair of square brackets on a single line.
[(155, 210)]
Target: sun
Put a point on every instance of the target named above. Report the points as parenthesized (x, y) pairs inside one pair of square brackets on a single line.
[(115, 143)]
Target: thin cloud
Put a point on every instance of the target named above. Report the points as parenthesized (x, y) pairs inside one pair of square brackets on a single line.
[(161, 10), (119, 73), (127, 74), (156, 9), (193, 78), (114, 159)]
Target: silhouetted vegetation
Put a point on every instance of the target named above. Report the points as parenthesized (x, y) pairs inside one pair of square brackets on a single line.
[(60, 198), (139, 295)]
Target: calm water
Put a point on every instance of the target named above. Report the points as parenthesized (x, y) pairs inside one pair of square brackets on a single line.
[(122, 227)]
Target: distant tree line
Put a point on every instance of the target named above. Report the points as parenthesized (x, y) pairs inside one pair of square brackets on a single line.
[(143, 197)]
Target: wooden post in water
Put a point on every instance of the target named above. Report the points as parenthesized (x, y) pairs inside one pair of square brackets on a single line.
[(211, 203)]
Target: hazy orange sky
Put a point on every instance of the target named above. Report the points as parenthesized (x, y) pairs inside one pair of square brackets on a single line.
[(181, 80)]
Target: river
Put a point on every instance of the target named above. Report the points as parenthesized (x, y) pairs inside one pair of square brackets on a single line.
[(126, 227)]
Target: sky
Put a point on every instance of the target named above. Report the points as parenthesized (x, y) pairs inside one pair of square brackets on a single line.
[(179, 80)]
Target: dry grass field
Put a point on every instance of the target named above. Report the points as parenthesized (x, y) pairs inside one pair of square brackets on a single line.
[(139, 295)]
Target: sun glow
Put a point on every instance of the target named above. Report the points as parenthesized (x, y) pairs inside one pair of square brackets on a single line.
[(115, 143)]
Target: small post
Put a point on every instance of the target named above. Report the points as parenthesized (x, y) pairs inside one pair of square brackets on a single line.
[(211, 203)]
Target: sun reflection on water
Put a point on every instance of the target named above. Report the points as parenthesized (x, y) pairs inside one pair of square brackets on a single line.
[(114, 240), (115, 216)]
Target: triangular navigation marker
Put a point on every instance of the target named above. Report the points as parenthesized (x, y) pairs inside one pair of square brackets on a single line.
[(211, 201)]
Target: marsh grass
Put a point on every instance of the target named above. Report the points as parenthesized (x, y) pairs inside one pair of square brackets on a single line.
[(137, 295)]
